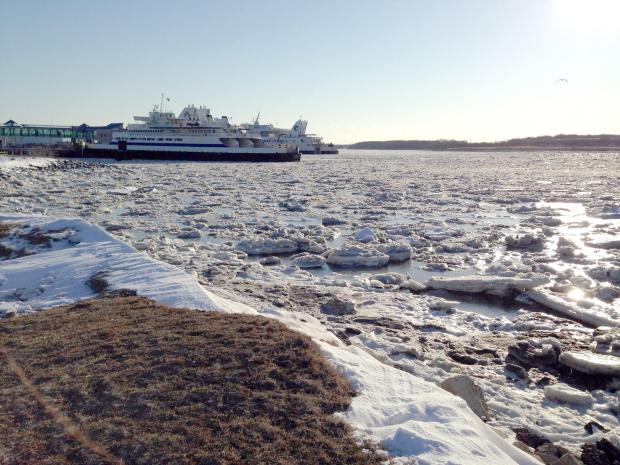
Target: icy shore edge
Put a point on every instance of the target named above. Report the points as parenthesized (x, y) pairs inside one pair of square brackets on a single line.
[(414, 420)]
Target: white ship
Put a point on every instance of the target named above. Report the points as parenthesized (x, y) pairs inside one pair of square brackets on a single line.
[(192, 135), (307, 143)]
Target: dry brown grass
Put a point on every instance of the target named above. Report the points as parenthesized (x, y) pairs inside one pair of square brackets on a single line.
[(154, 385)]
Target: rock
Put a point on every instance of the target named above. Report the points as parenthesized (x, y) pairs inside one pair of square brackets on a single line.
[(563, 393), (591, 363), (592, 455), (413, 285), (603, 450), (517, 370), (530, 438), (592, 426), (534, 354), (356, 256), (465, 359), (390, 279), (550, 453), (567, 459), (524, 447), (337, 306), (331, 221), (270, 261), (465, 387), (307, 260)]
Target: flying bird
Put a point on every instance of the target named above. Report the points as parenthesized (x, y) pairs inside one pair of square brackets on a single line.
[(562, 80)]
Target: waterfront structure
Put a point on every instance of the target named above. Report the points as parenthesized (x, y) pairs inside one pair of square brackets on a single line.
[(13, 134)]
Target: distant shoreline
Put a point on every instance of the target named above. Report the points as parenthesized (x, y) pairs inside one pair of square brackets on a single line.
[(561, 142), (497, 149)]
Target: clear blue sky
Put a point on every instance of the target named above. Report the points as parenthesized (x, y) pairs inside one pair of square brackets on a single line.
[(356, 69)]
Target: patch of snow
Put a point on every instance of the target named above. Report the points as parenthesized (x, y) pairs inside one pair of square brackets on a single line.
[(564, 393), (58, 277), (413, 419)]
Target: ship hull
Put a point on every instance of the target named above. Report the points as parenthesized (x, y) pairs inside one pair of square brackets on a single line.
[(237, 156), (322, 152)]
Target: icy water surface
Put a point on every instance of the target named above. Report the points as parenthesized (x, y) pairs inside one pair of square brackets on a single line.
[(240, 228)]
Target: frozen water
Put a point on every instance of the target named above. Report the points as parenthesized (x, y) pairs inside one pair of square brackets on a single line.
[(431, 215)]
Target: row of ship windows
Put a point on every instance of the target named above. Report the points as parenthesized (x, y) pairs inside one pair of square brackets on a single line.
[(149, 138)]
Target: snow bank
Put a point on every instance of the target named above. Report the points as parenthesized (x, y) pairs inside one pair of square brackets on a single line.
[(595, 315), (58, 277), (414, 420), (408, 416)]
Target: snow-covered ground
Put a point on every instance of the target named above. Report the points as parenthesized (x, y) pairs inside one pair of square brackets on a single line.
[(500, 239)]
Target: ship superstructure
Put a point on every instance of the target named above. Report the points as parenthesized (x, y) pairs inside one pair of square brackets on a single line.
[(192, 135), (297, 135)]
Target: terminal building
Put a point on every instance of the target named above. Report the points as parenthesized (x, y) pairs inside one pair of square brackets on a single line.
[(13, 134)]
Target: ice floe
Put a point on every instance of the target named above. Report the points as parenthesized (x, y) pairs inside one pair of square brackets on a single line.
[(495, 285), (591, 363), (595, 315)]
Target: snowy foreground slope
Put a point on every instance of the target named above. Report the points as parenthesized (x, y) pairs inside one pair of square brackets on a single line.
[(414, 420)]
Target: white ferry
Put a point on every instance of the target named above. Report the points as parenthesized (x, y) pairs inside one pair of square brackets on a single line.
[(307, 143), (192, 135)]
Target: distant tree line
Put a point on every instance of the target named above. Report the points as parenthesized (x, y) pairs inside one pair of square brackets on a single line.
[(567, 141)]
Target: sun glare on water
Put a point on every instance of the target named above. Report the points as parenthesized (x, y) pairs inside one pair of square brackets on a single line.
[(588, 15), (575, 294)]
